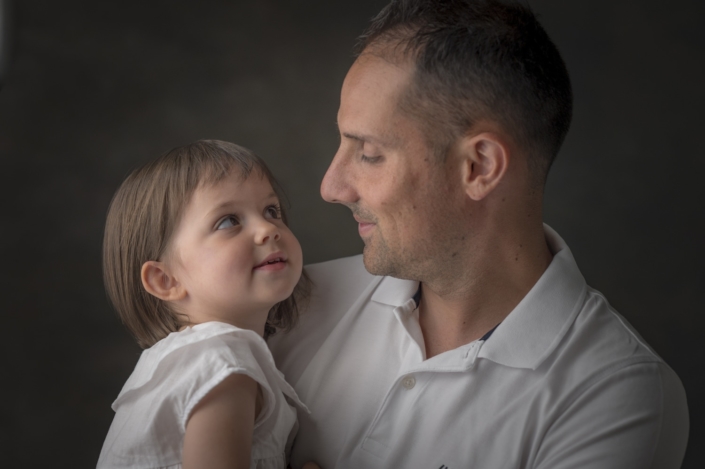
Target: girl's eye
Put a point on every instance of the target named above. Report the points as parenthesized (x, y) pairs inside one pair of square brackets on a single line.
[(227, 222), (273, 211)]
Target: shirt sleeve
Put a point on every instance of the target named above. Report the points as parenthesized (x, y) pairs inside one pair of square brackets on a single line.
[(199, 367), (634, 418)]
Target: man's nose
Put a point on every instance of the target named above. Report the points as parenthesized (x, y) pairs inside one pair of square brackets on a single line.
[(337, 184)]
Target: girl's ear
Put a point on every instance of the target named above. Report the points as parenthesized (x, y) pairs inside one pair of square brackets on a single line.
[(158, 281)]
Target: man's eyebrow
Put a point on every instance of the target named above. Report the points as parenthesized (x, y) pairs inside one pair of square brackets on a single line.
[(383, 142)]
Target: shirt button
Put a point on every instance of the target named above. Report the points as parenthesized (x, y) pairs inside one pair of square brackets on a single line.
[(408, 382)]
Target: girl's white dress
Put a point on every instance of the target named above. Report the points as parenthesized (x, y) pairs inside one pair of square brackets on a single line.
[(173, 375)]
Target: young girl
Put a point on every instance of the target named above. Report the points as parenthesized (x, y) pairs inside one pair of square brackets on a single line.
[(200, 265)]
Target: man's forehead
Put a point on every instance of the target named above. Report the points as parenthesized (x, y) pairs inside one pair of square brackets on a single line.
[(370, 67), (369, 103)]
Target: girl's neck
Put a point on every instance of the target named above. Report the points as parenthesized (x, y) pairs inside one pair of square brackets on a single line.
[(254, 320)]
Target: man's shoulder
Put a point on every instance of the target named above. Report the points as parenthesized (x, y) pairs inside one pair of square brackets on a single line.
[(602, 346), (610, 335), (608, 377)]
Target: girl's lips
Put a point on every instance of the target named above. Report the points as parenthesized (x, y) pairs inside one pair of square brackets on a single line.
[(274, 261), (273, 267)]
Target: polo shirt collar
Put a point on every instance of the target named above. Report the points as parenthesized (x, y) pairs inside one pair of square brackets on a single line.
[(394, 291), (536, 325)]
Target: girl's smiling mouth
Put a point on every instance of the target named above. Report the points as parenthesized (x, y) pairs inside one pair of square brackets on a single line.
[(275, 261)]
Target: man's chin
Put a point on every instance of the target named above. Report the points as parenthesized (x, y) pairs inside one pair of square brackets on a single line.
[(370, 261), (375, 263)]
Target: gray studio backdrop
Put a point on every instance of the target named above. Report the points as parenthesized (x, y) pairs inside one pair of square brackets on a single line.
[(96, 88)]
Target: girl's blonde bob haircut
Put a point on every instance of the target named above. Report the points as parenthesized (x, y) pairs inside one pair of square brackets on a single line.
[(141, 220)]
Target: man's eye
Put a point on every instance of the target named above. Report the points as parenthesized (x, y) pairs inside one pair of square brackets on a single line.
[(371, 159), (227, 222), (273, 211)]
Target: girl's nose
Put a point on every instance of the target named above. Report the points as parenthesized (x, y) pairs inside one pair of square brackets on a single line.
[(266, 231)]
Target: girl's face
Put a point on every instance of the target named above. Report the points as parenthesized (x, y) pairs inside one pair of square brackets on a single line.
[(232, 253)]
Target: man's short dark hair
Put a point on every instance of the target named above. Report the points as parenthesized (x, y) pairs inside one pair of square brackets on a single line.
[(478, 60)]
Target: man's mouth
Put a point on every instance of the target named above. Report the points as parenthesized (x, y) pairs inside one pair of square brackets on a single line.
[(363, 226)]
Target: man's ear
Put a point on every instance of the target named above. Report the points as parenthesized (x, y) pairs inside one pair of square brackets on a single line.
[(158, 281), (485, 161)]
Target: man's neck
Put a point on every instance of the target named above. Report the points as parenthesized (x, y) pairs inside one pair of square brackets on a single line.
[(465, 306)]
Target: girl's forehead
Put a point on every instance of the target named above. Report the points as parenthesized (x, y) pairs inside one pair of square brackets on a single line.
[(236, 186)]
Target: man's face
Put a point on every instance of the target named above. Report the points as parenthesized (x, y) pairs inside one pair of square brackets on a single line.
[(404, 198)]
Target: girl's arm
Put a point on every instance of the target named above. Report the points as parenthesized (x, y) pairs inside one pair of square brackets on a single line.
[(219, 430)]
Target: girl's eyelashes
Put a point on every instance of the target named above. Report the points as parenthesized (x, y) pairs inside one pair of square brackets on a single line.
[(273, 211), (227, 222)]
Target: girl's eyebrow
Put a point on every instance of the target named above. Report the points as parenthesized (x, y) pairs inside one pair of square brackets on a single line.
[(229, 204)]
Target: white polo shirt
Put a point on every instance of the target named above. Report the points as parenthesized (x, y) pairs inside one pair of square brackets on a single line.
[(563, 382)]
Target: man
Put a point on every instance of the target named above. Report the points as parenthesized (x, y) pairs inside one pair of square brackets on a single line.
[(465, 336)]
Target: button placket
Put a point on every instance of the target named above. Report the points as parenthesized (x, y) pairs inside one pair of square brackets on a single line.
[(408, 382)]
